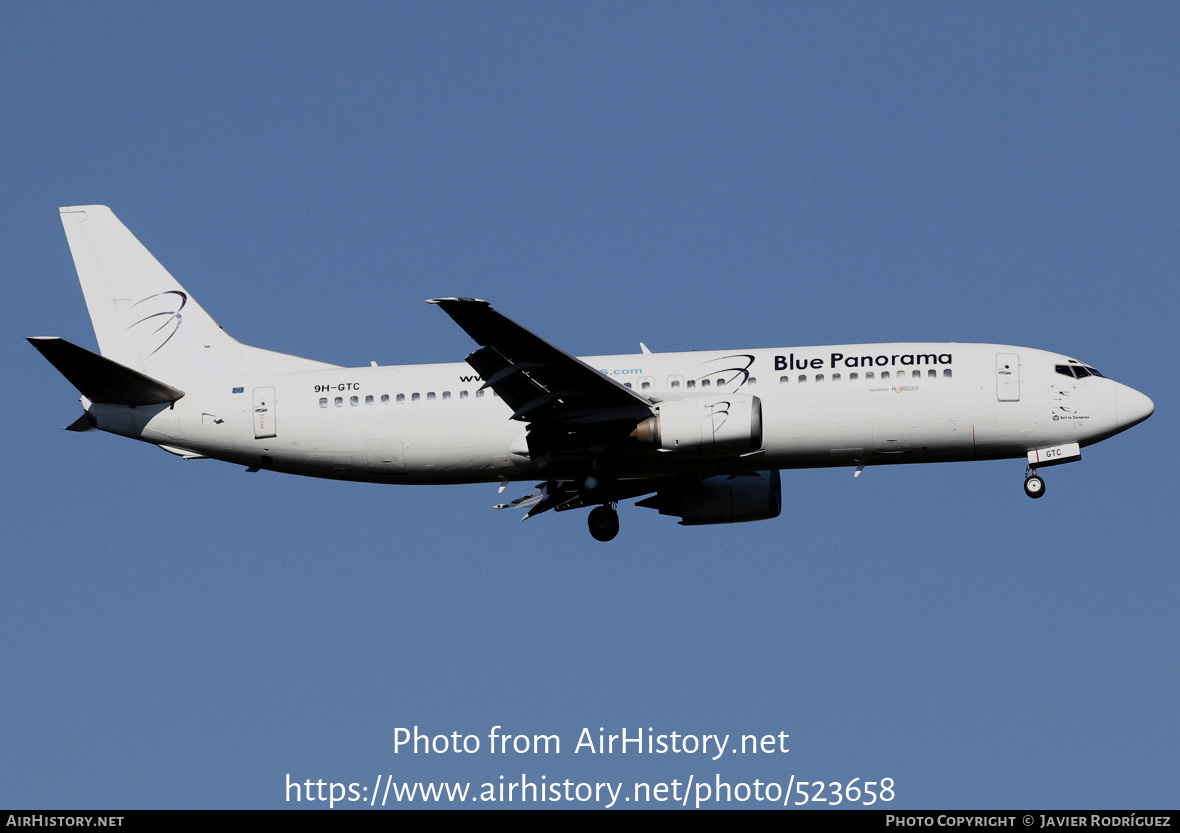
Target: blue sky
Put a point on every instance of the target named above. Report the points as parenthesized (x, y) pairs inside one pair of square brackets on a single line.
[(184, 634)]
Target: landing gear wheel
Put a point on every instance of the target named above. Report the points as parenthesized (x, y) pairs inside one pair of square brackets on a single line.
[(1034, 486), (603, 522)]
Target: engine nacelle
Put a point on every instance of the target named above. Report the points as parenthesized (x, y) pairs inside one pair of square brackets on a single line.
[(717, 424), (724, 499)]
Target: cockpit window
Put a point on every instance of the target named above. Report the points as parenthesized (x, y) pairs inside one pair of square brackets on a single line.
[(1077, 370)]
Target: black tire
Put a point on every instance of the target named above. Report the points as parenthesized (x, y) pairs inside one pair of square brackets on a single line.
[(1034, 486), (603, 523)]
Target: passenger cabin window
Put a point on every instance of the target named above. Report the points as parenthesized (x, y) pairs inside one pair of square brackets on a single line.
[(385, 399), (430, 396), (946, 374), (932, 373), (819, 377), (369, 399), (324, 402), (691, 383), (675, 384), (446, 394), (462, 394), (401, 397), (705, 383), (852, 377), (782, 380), (414, 397)]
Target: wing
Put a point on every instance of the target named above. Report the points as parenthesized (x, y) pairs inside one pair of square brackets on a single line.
[(542, 384), (575, 414)]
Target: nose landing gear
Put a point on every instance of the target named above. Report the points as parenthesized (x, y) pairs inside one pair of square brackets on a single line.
[(1034, 486), (604, 522)]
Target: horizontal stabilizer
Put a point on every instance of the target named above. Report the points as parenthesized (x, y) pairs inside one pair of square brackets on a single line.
[(100, 379), (82, 423)]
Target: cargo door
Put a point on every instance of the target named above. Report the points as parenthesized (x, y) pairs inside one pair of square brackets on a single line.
[(891, 436), (385, 456)]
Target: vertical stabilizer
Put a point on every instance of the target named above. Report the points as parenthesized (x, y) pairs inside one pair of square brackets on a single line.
[(142, 317)]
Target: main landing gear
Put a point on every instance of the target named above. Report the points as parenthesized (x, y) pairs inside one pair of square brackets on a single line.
[(604, 522), (1034, 486)]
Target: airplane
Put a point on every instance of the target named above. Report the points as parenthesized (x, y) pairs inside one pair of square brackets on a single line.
[(701, 436)]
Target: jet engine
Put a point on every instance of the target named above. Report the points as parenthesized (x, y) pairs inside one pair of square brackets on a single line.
[(718, 424), (724, 499)]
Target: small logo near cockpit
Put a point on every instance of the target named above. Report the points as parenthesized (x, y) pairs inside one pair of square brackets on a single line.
[(162, 318)]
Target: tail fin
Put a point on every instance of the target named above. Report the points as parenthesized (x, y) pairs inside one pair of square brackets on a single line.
[(142, 317)]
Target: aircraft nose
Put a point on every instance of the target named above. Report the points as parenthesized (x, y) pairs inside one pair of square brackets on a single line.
[(1132, 407)]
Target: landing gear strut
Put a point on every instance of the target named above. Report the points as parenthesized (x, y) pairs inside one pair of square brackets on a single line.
[(604, 522), (1034, 486)]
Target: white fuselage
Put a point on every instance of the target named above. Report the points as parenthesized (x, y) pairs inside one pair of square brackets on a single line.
[(700, 436), (846, 405)]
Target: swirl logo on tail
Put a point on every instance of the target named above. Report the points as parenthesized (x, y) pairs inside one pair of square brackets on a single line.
[(166, 321)]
